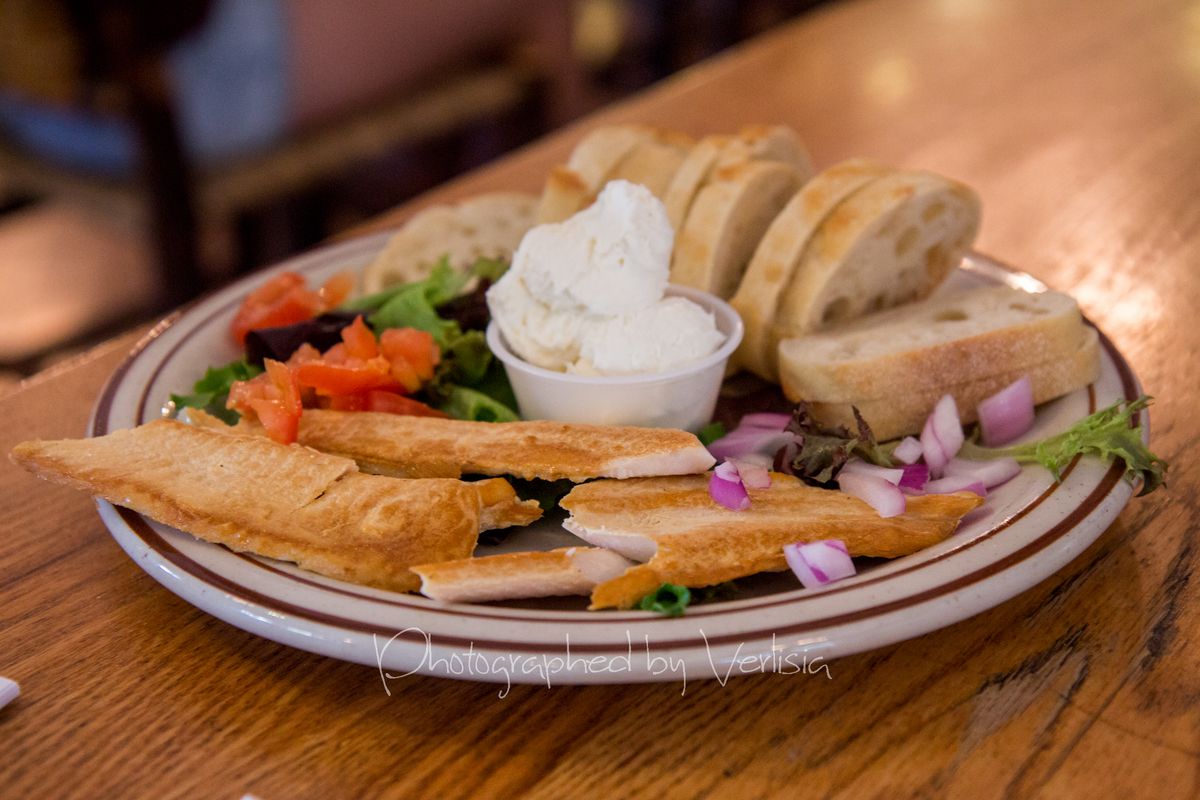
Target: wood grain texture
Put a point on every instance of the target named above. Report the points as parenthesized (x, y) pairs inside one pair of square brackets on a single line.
[(1078, 121)]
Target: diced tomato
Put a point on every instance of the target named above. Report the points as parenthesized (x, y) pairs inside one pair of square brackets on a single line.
[(346, 378), (273, 397), (417, 348), (286, 299), (344, 402), (392, 403), (359, 340)]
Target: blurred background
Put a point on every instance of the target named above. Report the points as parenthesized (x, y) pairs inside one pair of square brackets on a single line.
[(151, 151)]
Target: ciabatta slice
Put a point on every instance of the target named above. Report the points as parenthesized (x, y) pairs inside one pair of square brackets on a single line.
[(287, 502), (905, 412), (691, 540), (487, 226), (778, 254), (513, 576), (892, 241), (405, 446), (726, 222)]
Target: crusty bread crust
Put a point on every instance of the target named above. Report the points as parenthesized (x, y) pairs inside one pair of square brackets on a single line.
[(486, 226), (726, 221), (778, 254), (287, 502), (892, 241), (699, 543), (511, 576), (905, 412), (409, 447)]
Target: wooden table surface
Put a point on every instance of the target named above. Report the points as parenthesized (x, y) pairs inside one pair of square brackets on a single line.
[(1079, 123)]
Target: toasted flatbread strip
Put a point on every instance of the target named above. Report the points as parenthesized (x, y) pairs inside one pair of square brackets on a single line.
[(287, 502), (409, 447), (892, 241), (757, 142), (565, 571), (486, 226), (778, 254), (905, 413), (500, 505), (726, 221), (686, 538)]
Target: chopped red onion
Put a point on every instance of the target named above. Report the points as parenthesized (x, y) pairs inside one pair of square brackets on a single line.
[(892, 476), (990, 473), (956, 483), (753, 473), (1008, 413), (725, 486), (819, 563), (876, 492), (908, 451), (942, 436), (741, 442), (765, 419), (915, 477)]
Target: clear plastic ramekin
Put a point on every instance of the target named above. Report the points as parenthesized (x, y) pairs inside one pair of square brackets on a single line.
[(681, 398)]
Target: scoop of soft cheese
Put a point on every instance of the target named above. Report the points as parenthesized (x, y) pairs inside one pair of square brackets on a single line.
[(586, 294)]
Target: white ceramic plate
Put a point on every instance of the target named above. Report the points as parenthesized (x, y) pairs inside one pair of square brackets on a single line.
[(1029, 528)]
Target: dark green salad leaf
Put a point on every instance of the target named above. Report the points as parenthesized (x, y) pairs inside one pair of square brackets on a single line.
[(710, 433), (819, 451), (210, 392), (1109, 434), (670, 600), (465, 403)]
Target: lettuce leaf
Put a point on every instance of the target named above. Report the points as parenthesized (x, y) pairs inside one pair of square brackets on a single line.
[(210, 392), (464, 403)]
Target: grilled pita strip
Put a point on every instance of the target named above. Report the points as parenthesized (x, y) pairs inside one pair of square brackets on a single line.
[(287, 502), (687, 538), (425, 447), (511, 576), (501, 507)]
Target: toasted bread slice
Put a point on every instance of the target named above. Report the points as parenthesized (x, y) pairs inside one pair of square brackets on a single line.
[(409, 447), (512, 576), (726, 222), (892, 241), (487, 226), (905, 412), (778, 254), (653, 163), (685, 537), (287, 502), (573, 186), (950, 338), (500, 507), (754, 143)]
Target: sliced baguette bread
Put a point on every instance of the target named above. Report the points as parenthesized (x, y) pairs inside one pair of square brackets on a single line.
[(905, 413), (892, 241), (487, 226), (760, 142), (726, 222), (950, 338), (779, 253), (512, 576), (572, 187), (653, 163)]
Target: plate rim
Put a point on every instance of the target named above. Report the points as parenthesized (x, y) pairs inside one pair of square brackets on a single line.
[(217, 594)]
